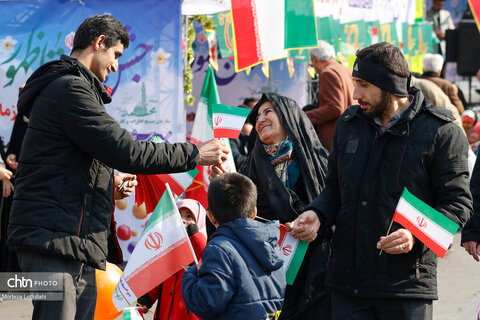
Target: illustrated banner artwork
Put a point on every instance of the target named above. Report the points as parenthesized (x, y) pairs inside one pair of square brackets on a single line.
[(147, 88)]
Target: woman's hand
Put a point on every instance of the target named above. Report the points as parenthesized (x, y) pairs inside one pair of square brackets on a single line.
[(216, 171), (305, 227), (5, 174), (7, 188), (12, 161)]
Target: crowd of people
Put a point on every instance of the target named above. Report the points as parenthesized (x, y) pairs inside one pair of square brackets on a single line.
[(332, 175)]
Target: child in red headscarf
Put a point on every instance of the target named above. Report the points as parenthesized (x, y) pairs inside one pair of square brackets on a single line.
[(170, 304)]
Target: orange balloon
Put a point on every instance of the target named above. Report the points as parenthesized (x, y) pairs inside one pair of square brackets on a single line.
[(106, 284)]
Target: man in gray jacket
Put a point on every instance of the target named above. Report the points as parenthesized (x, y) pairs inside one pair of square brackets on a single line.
[(62, 212)]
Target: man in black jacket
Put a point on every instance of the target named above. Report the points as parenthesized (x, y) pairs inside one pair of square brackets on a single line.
[(394, 138), (61, 217), (471, 231)]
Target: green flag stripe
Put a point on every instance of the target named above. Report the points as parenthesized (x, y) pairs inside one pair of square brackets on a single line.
[(296, 262), (221, 108), (431, 213), (165, 208)]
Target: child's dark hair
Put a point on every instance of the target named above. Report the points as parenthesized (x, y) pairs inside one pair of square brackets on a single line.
[(95, 26), (231, 196)]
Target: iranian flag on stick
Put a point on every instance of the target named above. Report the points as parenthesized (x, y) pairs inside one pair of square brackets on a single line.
[(162, 250), (431, 227), (228, 121), (293, 251)]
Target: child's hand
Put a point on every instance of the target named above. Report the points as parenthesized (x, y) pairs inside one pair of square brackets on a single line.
[(144, 309)]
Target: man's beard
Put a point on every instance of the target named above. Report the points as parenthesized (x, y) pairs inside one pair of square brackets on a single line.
[(378, 108)]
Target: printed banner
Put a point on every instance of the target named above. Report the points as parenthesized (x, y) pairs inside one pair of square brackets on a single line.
[(147, 88), (417, 38), (223, 26)]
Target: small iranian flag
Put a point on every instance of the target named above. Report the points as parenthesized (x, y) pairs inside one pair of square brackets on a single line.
[(132, 313), (293, 251), (162, 250), (428, 225), (228, 121), (179, 182)]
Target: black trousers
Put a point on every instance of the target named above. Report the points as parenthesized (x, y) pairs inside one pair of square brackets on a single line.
[(347, 307), (79, 287)]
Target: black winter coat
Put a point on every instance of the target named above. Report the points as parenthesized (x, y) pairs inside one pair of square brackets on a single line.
[(471, 230), (367, 171), (64, 189)]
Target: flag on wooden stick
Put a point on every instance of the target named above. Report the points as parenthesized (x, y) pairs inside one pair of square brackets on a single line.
[(228, 121), (431, 227)]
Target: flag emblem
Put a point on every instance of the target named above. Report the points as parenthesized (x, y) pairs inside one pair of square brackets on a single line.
[(154, 241), (422, 223), (287, 250)]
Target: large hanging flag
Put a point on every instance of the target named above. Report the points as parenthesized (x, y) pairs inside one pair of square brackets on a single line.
[(228, 121), (162, 250), (292, 251), (431, 227), (475, 8), (259, 32), (202, 131), (223, 26), (300, 24)]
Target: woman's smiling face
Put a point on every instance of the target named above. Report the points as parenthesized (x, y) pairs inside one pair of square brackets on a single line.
[(268, 125)]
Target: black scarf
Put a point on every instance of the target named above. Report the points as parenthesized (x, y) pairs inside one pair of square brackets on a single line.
[(275, 201)]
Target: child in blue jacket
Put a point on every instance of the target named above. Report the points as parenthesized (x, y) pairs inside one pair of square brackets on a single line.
[(241, 275)]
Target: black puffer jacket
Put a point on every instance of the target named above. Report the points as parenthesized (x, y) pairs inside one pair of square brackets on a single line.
[(423, 151), (64, 182), (471, 231)]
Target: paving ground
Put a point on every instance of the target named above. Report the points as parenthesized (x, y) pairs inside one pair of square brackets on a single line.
[(458, 283)]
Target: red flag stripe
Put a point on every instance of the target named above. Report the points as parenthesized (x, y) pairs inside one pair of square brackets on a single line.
[(226, 133), (174, 185), (245, 31), (170, 263), (429, 242)]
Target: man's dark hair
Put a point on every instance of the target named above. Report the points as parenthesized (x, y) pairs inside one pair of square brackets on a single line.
[(231, 196), (386, 55), (98, 25)]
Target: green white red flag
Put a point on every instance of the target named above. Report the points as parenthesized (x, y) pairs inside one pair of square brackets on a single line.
[(132, 313), (431, 227), (228, 121), (259, 31), (202, 131), (263, 31), (163, 248), (292, 251)]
